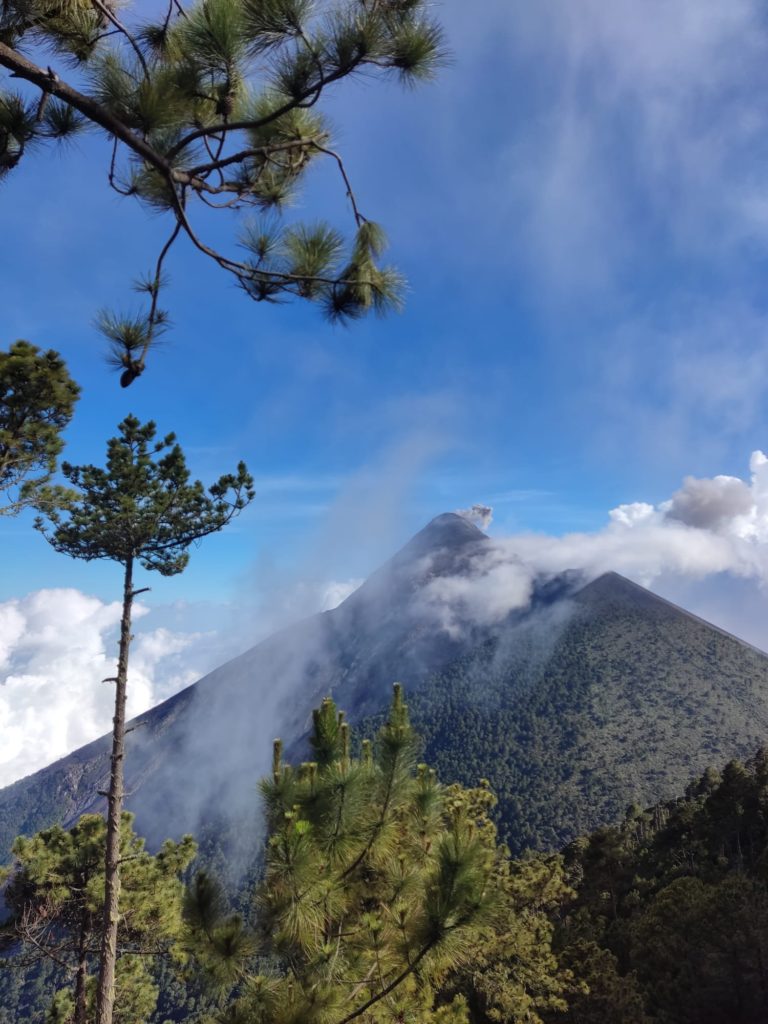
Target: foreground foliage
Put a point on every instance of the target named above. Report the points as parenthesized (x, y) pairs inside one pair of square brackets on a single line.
[(54, 892), (514, 974), (37, 400), (378, 881), (670, 918), (208, 106), (385, 897)]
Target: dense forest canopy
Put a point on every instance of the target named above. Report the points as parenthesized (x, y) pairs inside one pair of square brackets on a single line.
[(661, 919)]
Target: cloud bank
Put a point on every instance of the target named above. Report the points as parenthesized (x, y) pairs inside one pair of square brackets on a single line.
[(57, 645), (708, 527)]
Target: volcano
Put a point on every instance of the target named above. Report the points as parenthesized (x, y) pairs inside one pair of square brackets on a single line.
[(594, 695)]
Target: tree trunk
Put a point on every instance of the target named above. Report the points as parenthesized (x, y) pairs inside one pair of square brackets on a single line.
[(105, 994)]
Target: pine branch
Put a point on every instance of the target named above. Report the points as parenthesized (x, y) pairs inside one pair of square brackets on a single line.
[(21, 67), (378, 996), (172, 88)]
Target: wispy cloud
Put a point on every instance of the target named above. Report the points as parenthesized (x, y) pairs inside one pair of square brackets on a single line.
[(683, 384), (650, 129)]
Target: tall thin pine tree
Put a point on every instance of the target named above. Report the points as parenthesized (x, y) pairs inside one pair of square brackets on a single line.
[(141, 508)]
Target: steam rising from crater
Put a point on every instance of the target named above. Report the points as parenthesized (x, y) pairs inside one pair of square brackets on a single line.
[(480, 515)]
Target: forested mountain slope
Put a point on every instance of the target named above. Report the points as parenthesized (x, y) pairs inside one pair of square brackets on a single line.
[(668, 919), (590, 698), (633, 696)]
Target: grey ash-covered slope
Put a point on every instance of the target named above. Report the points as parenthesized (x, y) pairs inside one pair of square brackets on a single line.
[(595, 696)]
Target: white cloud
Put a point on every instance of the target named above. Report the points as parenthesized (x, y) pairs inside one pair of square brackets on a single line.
[(56, 647), (709, 527), (633, 513), (333, 593), (497, 583)]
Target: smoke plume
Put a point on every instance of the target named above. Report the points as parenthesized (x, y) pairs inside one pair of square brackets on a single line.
[(480, 515), (708, 527)]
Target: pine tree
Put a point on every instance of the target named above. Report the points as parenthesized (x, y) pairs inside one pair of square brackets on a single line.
[(37, 399), (54, 893), (601, 993), (141, 508), (215, 104), (378, 881), (514, 975), (669, 920)]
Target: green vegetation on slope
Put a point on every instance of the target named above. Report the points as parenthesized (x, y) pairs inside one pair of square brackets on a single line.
[(661, 919), (54, 895), (670, 913), (630, 699)]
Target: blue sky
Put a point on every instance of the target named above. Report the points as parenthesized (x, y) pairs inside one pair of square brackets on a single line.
[(579, 204)]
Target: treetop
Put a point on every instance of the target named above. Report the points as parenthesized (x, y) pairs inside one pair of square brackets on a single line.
[(37, 400), (143, 505)]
